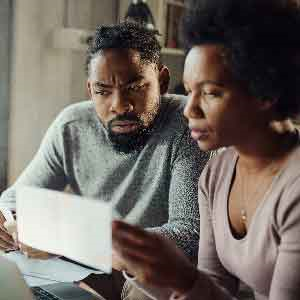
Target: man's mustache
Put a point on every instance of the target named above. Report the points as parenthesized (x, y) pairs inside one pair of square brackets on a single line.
[(125, 117)]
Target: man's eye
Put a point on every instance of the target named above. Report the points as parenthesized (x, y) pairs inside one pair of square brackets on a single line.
[(102, 92)]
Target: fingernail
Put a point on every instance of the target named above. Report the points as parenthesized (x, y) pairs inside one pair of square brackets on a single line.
[(14, 236), (26, 254)]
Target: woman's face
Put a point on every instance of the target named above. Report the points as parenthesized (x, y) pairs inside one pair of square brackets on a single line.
[(219, 111)]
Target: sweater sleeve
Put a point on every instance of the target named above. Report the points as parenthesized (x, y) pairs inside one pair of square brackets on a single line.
[(286, 280), (183, 222), (45, 170)]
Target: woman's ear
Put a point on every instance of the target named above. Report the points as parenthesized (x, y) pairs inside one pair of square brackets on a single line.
[(164, 79)]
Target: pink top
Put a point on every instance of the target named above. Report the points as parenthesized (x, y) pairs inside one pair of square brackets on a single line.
[(268, 257)]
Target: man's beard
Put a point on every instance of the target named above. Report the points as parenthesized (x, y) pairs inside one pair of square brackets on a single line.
[(131, 141)]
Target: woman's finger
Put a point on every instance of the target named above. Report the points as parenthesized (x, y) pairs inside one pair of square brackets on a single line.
[(121, 240), (142, 269), (133, 237), (140, 254), (130, 230)]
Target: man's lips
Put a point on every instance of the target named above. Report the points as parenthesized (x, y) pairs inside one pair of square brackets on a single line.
[(124, 126), (124, 123)]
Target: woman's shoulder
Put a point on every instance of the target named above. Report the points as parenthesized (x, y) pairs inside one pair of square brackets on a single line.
[(287, 193), (222, 161)]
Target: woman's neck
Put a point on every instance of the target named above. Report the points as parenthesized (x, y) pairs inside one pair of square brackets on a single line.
[(267, 146)]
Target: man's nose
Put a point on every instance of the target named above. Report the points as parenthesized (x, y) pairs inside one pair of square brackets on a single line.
[(120, 104)]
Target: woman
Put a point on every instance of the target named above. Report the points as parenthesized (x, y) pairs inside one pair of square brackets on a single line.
[(243, 78)]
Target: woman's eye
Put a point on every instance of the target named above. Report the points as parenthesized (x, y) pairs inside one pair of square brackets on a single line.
[(211, 95)]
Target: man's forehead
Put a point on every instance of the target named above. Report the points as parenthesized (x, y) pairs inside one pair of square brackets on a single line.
[(103, 82), (122, 64), (129, 56)]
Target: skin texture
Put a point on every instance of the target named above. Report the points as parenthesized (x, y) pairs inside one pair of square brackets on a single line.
[(216, 103), (220, 113), (120, 82)]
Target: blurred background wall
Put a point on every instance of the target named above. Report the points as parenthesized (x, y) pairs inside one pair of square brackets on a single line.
[(45, 79), (5, 40)]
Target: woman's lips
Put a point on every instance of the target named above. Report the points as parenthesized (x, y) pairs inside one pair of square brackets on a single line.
[(199, 134)]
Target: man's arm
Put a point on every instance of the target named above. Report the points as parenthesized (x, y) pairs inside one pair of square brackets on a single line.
[(45, 170), (183, 223)]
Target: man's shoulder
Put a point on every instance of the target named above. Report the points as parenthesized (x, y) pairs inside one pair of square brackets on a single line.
[(172, 112), (174, 102), (82, 111)]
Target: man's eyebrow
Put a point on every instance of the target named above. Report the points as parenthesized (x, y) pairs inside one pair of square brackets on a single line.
[(134, 79), (102, 85), (108, 86)]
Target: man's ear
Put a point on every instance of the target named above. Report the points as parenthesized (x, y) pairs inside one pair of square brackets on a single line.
[(164, 79), (89, 88)]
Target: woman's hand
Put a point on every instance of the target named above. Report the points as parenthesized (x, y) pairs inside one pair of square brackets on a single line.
[(152, 259), (117, 262)]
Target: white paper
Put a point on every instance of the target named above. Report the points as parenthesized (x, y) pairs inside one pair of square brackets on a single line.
[(39, 272), (75, 227)]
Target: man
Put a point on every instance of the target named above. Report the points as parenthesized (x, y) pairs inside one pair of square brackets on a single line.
[(129, 145)]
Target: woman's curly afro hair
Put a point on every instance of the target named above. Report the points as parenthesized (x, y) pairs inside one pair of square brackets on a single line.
[(261, 39)]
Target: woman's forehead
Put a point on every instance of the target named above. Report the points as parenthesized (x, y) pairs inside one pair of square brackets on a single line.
[(206, 63)]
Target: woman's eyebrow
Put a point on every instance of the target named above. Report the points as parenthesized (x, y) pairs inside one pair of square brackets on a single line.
[(218, 83)]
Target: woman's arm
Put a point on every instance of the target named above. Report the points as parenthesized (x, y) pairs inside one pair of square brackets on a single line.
[(286, 277)]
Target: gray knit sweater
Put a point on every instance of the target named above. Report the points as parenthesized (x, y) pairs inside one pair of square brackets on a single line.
[(155, 187)]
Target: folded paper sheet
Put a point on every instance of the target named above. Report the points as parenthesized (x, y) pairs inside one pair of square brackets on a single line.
[(75, 227), (39, 272)]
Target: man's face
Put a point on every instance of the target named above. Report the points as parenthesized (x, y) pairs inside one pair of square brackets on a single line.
[(126, 92)]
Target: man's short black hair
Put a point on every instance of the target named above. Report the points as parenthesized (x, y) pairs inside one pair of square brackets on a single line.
[(261, 41), (127, 35)]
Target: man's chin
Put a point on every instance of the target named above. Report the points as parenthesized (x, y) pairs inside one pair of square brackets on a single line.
[(130, 141)]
